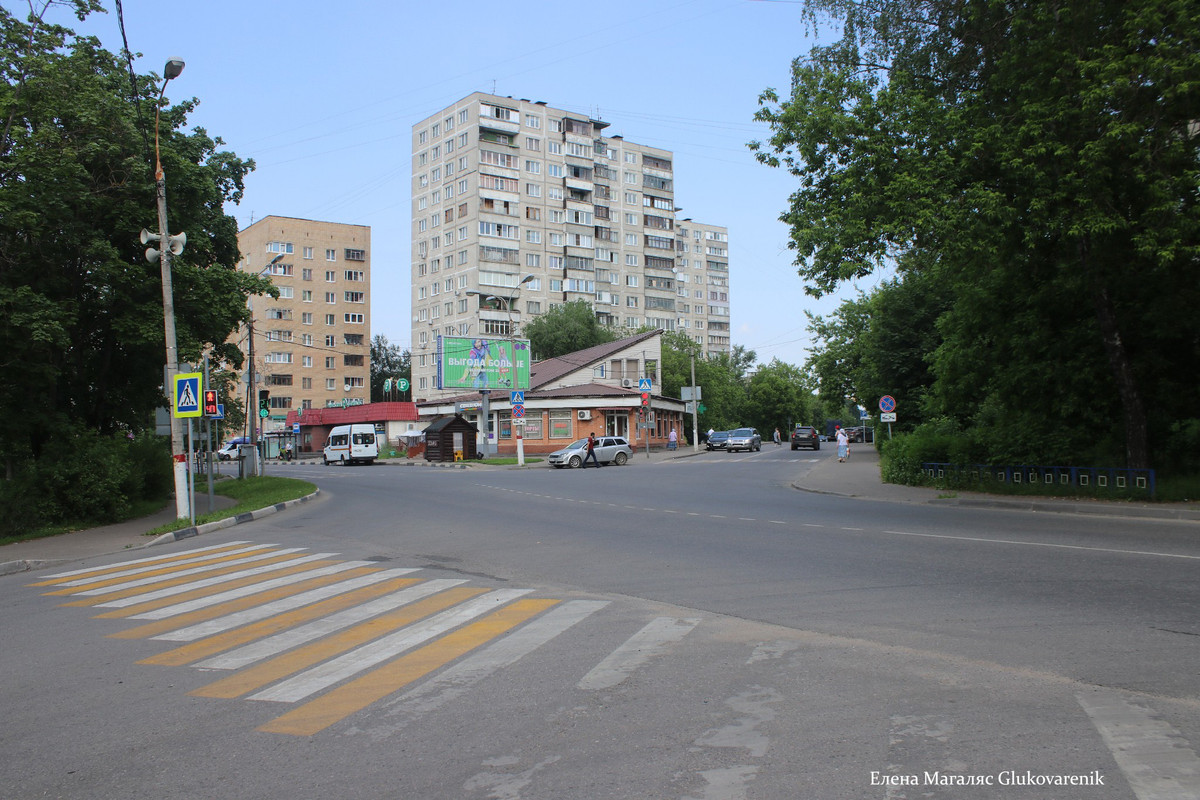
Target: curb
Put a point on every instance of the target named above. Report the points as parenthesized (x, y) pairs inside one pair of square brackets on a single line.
[(228, 522), (28, 565)]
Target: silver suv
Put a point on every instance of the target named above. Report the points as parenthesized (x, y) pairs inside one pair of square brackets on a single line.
[(609, 450), (744, 439)]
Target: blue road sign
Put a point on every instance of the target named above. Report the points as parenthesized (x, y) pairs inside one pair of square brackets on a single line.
[(887, 403), (645, 385), (220, 411), (516, 398), (187, 394)]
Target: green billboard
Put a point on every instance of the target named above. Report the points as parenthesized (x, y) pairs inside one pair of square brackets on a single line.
[(465, 363)]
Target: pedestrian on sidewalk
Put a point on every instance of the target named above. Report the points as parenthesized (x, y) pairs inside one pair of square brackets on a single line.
[(778, 439), (591, 451), (843, 443), (672, 440)]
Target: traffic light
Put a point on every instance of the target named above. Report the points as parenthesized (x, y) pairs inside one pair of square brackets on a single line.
[(210, 402), (645, 399), (264, 402)]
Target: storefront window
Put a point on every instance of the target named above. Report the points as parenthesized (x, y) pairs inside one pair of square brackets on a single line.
[(561, 424), (533, 426)]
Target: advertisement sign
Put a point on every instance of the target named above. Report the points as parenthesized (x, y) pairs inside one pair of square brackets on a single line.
[(483, 363)]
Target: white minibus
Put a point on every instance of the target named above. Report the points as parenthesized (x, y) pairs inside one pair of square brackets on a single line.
[(351, 444)]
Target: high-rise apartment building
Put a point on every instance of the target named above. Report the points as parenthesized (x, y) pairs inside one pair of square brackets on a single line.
[(703, 271), (518, 207), (312, 344)]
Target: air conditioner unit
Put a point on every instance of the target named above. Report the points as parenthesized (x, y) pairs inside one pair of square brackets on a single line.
[(626, 383), (584, 415)]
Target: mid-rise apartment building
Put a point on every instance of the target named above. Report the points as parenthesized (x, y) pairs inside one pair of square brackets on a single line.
[(518, 207), (312, 344)]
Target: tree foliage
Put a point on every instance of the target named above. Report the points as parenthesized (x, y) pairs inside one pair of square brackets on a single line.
[(564, 329), (1039, 162), (81, 309), (388, 361)]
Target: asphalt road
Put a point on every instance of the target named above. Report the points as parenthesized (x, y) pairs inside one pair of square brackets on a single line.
[(693, 629)]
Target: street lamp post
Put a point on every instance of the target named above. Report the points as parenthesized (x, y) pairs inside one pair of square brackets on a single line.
[(168, 246), (512, 354)]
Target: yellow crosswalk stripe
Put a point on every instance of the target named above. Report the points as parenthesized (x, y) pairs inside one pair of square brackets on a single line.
[(125, 566), (286, 664), (316, 715), (167, 582), (193, 568), (232, 606), (219, 643), (206, 591)]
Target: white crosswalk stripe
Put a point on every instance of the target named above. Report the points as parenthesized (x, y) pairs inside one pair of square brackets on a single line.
[(202, 629), (338, 669), (273, 645)]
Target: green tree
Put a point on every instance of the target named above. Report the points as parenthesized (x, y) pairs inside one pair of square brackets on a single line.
[(564, 329), (81, 310), (388, 361), (778, 398), (1044, 158)]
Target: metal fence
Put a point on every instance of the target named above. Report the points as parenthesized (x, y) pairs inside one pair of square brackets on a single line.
[(1095, 480)]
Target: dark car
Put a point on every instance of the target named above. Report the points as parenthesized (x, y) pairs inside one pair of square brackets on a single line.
[(805, 436), (719, 440)]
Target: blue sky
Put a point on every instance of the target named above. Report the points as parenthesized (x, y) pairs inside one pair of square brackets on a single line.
[(323, 97)]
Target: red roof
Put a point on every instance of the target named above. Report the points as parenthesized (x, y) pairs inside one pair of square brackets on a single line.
[(370, 412)]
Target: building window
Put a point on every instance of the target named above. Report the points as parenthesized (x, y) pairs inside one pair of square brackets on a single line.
[(355, 319), (562, 424), (331, 255), (355, 255)]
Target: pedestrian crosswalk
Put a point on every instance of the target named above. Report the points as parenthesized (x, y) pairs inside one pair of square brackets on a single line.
[(329, 638), (317, 642)]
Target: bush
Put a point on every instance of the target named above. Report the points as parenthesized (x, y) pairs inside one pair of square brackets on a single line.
[(85, 478)]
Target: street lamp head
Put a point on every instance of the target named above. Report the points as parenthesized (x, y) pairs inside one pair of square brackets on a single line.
[(526, 279), (173, 68)]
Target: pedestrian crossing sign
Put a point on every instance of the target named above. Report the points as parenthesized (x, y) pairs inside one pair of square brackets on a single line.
[(187, 394)]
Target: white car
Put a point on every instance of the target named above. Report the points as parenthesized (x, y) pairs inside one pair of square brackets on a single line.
[(609, 450), (229, 450)]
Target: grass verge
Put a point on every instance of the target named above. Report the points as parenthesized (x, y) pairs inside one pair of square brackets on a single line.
[(251, 494)]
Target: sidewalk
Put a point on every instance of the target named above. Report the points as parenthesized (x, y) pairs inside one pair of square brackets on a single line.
[(857, 478)]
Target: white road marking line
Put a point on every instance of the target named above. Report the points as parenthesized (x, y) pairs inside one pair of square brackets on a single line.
[(286, 640), (194, 571), (455, 681), (160, 560), (246, 591), (237, 619), (985, 540), (1156, 760), (216, 580), (362, 658), (649, 642), (149, 565)]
